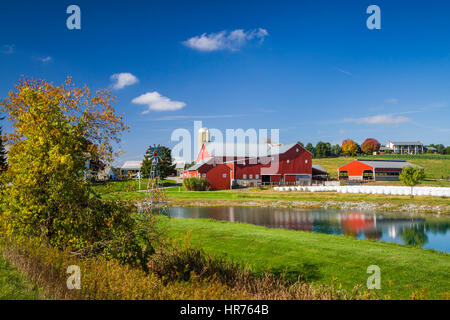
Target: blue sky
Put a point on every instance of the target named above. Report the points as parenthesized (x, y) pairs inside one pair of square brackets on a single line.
[(310, 68)]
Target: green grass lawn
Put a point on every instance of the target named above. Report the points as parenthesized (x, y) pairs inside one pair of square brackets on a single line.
[(436, 166), (105, 187), (321, 257), (14, 286)]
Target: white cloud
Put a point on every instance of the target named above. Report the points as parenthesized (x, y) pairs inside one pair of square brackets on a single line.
[(121, 80), (46, 59), (8, 49), (225, 40), (379, 119), (157, 102)]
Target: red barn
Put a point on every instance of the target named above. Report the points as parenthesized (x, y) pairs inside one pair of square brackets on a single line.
[(370, 169), (252, 164)]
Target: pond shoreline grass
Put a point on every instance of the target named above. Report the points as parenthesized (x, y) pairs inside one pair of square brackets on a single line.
[(319, 257), (297, 199)]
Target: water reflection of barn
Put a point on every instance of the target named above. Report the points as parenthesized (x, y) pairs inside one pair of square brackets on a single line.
[(372, 227)]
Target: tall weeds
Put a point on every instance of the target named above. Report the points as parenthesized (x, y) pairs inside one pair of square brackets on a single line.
[(175, 273)]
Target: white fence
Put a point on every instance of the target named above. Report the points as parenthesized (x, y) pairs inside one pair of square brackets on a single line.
[(388, 190)]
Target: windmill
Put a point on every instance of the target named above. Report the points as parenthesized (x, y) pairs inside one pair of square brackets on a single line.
[(155, 198)]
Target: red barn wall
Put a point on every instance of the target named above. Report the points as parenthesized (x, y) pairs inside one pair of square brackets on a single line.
[(355, 168), (214, 175), (300, 162)]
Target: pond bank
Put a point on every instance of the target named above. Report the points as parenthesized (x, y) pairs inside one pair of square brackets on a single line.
[(344, 205)]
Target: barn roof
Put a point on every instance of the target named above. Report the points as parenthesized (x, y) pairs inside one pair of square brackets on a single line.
[(384, 164), (246, 149), (199, 164), (132, 165), (319, 168)]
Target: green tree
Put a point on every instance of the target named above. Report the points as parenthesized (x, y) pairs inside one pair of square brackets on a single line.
[(310, 148), (3, 160), (165, 165), (447, 150), (301, 143), (336, 150), (47, 199), (411, 176), (322, 149)]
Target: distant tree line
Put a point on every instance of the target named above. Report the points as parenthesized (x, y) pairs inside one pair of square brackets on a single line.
[(349, 147)]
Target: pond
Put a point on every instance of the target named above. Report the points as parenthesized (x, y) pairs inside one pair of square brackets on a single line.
[(426, 232)]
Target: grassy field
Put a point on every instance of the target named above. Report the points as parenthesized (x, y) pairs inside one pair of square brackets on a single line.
[(320, 257), (436, 166), (296, 198), (14, 286)]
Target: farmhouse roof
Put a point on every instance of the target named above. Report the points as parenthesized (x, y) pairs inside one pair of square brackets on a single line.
[(414, 143)]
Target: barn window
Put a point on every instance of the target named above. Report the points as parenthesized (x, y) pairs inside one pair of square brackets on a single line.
[(244, 176), (306, 161), (250, 176), (204, 175), (288, 161), (256, 176), (224, 175), (296, 150)]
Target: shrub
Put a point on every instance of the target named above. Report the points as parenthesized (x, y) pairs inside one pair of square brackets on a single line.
[(196, 184), (179, 263)]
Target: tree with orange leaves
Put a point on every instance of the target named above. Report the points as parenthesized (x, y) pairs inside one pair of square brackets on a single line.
[(370, 146), (56, 130), (349, 147)]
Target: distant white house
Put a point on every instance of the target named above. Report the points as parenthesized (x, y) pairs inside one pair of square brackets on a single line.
[(414, 147), (130, 168)]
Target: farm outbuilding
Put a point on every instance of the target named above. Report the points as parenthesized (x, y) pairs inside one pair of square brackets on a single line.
[(373, 169)]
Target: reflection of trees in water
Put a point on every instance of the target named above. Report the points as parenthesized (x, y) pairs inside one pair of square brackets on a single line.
[(414, 236), (327, 226), (437, 226), (373, 234)]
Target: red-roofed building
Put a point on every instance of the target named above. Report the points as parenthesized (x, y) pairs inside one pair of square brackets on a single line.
[(227, 165)]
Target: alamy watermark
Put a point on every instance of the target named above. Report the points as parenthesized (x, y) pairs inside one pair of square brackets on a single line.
[(73, 22), (251, 146), (74, 280), (374, 281)]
